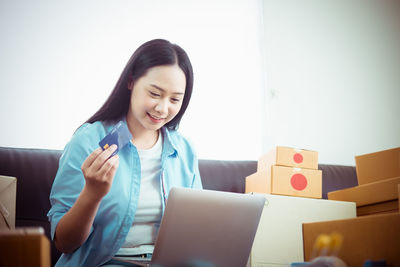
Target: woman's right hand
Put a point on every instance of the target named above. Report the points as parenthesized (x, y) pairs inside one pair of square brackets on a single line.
[(99, 171)]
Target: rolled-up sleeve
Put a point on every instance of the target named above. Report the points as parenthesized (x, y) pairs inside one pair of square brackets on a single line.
[(69, 180)]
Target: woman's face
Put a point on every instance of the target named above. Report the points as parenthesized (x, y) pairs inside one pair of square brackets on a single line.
[(156, 97)]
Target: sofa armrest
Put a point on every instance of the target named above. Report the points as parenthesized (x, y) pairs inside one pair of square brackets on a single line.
[(35, 170)]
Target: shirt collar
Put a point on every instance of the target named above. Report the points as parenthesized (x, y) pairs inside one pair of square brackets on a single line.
[(169, 146)]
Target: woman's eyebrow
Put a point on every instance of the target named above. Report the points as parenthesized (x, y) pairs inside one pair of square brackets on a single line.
[(159, 88)]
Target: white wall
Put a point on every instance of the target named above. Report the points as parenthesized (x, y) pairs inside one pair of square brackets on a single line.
[(61, 59), (332, 76), (330, 81)]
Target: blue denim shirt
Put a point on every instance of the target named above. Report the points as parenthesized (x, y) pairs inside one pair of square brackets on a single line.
[(116, 213)]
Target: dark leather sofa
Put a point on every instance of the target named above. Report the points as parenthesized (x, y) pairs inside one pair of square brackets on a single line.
[(35, 170)]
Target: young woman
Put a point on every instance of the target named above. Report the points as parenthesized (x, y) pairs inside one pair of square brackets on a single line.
[(104, 206)]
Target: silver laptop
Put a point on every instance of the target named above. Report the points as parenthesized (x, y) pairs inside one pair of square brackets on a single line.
[(206, 228)]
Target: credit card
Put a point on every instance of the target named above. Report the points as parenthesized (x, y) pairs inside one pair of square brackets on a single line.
[(119, 135)]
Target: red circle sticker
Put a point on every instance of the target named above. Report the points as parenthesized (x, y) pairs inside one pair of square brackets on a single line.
[(298, 158), (298, 181)]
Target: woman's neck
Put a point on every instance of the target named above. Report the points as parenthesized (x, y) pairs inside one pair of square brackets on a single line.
[(143, 138), (146, 141)]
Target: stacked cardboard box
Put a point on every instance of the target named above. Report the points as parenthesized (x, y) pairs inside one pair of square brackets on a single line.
[(24, 247), (287, 171), (8, 190), (378, 176), (374, 237), (21, 246), (291, 183)]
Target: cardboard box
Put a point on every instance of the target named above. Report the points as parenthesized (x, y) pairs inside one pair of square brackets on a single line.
[(286, 181), (24, 247), (8, 190), (373, 237), (378, 208), (378, 166), (372, 193), (279, 239), (290, 157)]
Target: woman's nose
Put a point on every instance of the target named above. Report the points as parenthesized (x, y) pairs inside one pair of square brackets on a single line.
[(161, 107)]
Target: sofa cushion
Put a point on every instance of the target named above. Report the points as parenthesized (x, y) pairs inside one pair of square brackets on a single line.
[(225, 175), (336, 177)]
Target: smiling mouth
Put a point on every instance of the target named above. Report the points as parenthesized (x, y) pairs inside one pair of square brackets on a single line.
[(155, 119)]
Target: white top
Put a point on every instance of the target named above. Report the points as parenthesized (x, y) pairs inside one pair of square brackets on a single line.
[(142, 235)]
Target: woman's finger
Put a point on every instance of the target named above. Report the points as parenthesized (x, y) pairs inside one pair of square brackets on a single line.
[(103, 157), (91, 158), (109, 168)]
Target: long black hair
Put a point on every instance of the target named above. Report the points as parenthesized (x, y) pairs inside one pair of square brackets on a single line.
[(153, 53)]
